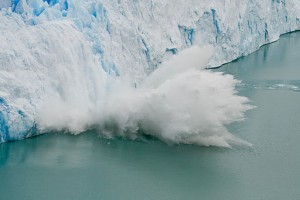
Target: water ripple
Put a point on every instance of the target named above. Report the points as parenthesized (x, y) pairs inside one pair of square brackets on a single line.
[(291, 85)]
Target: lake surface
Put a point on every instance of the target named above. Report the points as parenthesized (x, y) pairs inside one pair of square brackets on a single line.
[(86, 167)]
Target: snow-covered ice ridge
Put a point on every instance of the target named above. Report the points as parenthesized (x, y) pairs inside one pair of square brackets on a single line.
[(45, 43)]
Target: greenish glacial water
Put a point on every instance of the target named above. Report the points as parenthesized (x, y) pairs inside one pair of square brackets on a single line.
[(86, 167)]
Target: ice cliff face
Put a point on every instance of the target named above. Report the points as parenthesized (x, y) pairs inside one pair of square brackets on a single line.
[(134, 37), (38, 63), (127, 38)]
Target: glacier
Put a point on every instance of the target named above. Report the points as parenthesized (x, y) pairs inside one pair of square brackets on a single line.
[(63, 63)]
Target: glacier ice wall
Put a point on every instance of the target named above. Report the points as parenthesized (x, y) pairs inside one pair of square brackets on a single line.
[(134, 37), (40, 63), (62, 50)]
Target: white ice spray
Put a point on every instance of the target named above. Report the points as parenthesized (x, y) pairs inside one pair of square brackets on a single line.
[(178, 103)]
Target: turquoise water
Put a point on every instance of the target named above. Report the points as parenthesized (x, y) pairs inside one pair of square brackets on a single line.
[(58, 166)]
